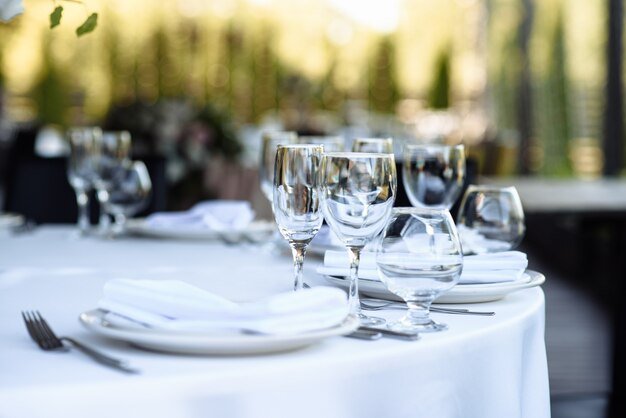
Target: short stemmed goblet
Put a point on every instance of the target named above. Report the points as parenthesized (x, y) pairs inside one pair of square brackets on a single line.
[(113, 153), (377, 145), (413, 269), (490, 219), (433, 175), (130, 193), (357, 194), (296, 199), (81, 168)]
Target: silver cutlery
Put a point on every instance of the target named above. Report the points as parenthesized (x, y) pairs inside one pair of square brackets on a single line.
[(408, 336), (364, 334), (47, 340), (380, 304)]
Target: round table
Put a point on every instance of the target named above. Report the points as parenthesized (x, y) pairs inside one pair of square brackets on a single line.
[(481, 367)]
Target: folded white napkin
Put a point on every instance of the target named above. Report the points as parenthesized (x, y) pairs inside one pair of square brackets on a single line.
[(174, 305), (218, 215), (483, 268)]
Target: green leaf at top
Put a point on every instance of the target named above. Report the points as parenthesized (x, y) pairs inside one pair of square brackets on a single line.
[(55, 16), (88, 25)]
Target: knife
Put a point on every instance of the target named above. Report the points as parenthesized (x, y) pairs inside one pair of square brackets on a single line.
[(407, 336)]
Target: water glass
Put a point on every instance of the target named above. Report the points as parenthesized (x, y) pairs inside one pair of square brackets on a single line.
[(296, 199), (113, 153), (330, 143), (433, 175), (376, 145), (418, 258), (270, 142), (130, 193), (81, 168), (357, 194), (490, 219)]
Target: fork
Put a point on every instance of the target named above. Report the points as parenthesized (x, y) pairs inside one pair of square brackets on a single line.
[(47, 340), (377, 305)]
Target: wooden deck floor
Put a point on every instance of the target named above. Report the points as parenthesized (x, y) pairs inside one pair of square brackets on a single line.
[(578, 344)]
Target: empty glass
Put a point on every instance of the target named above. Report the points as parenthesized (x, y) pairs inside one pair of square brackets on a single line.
[(433, 175), (376, 145), (490, 219), (330, 143), (296, 199), (270, 142), (81, 168), (413, 269), (114, 148), (357, 194), (130, 193)]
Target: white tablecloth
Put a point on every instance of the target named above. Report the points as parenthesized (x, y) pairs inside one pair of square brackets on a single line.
[(481, 367)]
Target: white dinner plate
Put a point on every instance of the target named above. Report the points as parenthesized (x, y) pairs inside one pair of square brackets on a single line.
[(210, 343), (461, 293), (256, 231)]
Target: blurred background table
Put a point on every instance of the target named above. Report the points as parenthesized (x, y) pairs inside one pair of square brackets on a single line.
[(483, 366)]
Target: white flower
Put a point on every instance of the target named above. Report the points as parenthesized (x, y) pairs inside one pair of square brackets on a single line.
[(9, 9)]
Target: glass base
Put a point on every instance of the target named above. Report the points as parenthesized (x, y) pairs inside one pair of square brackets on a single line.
[(405, 325), (370, 320)]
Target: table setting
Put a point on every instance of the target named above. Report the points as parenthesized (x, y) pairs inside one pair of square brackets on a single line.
[(205, 307)]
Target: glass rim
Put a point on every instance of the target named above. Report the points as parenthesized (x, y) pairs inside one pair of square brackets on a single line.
[(373, 139), (303, 146), (434, 146), (354, 154)]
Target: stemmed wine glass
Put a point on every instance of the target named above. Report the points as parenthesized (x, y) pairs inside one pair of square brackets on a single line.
[(330, 143), (414, 270), (357, 194), (433, 175), (130, 192), (377, 145), (296, 199), (81, 168), (269, 143), (114, 148), (490, 219)]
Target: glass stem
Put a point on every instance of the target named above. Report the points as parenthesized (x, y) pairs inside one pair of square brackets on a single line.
[(103, 198), (82, 200), (419, 313), (353, 295), (298, 251)]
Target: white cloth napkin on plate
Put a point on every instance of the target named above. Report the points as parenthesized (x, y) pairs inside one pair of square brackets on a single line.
[(501, 267), (218, 215), (174, 305)]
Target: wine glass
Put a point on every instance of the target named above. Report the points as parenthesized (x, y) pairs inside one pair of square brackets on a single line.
[(414, 270), (296, 199), (433, 175), (270, 141), (357, 194), (130, 192), (81, 168), (113, 148), (330, 143), (490, 219), (376, 145)]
